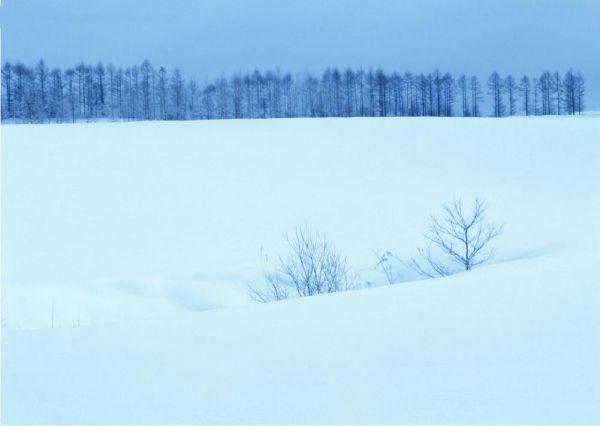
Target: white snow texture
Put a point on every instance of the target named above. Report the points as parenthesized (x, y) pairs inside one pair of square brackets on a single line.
[(127, 249)]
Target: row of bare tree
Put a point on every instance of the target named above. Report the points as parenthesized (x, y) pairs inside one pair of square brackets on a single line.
[(95, 92), (458, 240), (550, 94)]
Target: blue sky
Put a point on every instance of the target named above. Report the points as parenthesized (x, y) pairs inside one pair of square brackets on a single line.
[(209, 38)]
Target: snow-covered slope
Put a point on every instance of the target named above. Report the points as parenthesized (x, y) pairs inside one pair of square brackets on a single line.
[(512, 343), (149, 224), (121, 221)]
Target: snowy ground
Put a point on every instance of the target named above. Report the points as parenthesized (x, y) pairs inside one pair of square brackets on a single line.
[(128, 235)]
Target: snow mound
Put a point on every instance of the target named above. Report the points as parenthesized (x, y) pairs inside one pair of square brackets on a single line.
[(516, 342)]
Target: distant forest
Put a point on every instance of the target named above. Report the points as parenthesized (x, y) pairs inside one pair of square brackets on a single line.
[(142, 92)]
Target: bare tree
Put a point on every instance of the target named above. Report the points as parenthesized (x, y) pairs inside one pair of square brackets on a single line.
[(510, 86), (162, 93), (146, 89), (42, 73), (462, 85), (536, 95), (313, 266), (525, 89), (56, 101), (495, 86), (476, 96), (177, 92), (463, 239), (579, 92), (7, 79), (69, 79), (557, 89), (545, 81)]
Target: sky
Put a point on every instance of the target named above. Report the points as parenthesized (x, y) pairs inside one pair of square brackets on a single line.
[(210, 38)]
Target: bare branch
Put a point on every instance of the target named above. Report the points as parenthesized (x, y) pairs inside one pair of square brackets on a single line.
[(385, 265)]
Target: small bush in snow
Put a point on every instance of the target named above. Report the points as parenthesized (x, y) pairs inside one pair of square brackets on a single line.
[(313, 266)]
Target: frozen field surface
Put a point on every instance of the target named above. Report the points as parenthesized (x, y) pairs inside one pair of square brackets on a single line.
[(127, 248)]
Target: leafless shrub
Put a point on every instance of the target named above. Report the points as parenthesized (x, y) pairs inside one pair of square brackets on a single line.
[(387, 264), (463, 238), (313, 266)]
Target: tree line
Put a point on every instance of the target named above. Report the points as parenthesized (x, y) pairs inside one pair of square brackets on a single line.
[(97, 92)]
